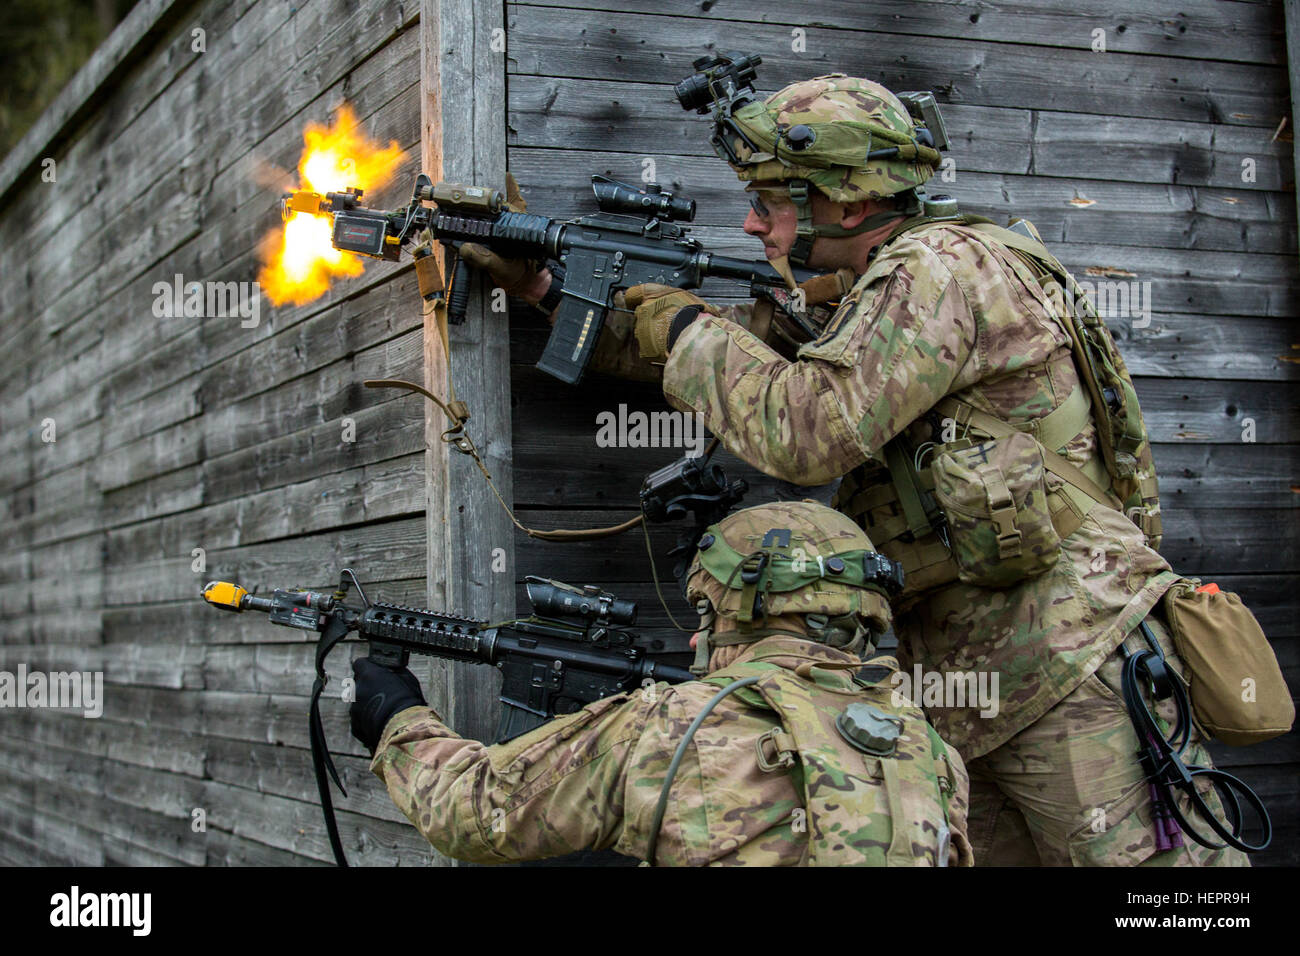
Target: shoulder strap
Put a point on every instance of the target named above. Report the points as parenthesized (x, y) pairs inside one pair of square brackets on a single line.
[(917, 222), (964, 413)]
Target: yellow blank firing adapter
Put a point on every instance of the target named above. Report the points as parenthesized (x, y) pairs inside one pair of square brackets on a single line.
[(228, 597), (301, 201)]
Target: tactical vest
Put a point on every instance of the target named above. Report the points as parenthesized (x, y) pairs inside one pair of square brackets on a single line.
[(1010, 528), (877, 782)]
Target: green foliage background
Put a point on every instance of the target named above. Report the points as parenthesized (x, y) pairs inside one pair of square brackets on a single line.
[(42, 45)]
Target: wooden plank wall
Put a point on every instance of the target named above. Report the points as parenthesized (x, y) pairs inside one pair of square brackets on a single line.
[(177, 434), (1130, 163)]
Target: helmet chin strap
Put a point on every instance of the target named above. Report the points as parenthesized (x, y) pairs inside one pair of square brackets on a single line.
[(806, 233)]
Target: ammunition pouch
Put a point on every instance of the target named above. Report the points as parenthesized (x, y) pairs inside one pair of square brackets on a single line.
[(1121, 432), (994, 496)]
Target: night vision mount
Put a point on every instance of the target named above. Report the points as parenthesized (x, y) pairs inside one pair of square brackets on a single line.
[(689, 487), (728, 78), (724, 83)]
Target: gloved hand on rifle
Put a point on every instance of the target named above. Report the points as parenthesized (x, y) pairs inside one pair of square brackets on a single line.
[(662, 312), (518, 277), (381, 693)]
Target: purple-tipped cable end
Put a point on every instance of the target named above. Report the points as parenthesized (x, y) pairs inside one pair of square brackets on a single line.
[(1160, 818), (1174, 831)]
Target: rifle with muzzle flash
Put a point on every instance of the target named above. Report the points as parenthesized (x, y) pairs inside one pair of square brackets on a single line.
[(575, 648), (634, 238)]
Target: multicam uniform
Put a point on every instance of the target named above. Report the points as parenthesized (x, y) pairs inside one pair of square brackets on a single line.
[(947, 309), (799, 762), (591, 780)]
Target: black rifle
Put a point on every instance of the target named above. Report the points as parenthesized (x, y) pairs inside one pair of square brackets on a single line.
[(549, 665), (634, 238)]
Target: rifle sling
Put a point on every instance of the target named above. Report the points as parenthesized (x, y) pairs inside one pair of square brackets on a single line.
[(321, 761)]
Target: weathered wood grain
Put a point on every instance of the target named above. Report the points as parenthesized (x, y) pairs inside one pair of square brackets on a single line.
[(464, 85), (1292, 14), (181, 125), (135, 299), (177, 434), (1247, 32), (110, 61), (644, 118), (635, 46)]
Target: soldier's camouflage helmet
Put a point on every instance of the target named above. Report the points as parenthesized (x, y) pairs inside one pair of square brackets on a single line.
[(843, 118), (794, 557)]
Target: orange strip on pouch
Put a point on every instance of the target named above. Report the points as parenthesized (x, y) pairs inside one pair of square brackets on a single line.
[(1210, 588)]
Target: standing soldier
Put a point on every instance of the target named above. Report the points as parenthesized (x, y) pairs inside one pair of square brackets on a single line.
[(779, 755), (988, 438)]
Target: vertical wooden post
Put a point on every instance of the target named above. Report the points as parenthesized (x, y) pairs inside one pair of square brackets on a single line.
[(463, 123), (1293, 70)]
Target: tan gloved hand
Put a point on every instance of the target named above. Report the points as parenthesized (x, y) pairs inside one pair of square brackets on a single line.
[(513, 275), (656, 306), (515, 201)]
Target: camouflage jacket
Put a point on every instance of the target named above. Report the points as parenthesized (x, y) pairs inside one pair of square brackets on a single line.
[(591, 780), (941, 311)]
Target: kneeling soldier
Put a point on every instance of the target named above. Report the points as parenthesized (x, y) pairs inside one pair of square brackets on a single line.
[(781, 754)]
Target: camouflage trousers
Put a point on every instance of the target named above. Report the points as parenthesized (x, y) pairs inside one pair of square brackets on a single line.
[(1068, 789)]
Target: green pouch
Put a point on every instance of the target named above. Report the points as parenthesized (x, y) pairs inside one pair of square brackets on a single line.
[(995, 498)]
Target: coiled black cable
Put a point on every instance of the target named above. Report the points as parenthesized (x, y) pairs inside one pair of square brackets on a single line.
[(1162, 757)]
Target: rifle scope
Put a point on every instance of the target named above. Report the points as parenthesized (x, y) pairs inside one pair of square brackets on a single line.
[(613, 196), (591, 604)]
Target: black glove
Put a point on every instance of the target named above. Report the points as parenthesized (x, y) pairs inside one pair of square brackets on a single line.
[(381, 693)]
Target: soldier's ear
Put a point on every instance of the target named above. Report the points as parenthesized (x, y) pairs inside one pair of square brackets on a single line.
[(852, 214)]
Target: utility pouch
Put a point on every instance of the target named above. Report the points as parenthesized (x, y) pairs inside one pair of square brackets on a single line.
[(994, 495), (1238, 693)]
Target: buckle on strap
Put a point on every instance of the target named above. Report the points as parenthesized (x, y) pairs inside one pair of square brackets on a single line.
[(783, 750), (752, 568), (751, 598), (1002, 508)]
